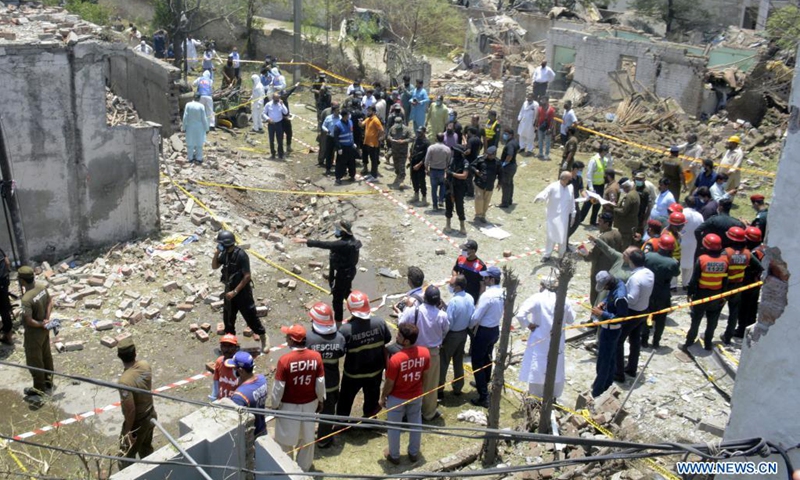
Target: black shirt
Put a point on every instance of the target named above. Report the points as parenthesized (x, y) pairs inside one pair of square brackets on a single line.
[(510, 151), (474, 145), (344, 252), (458, 165), (365, 341), (235, 264), (419, 150), (331, 347), (577, 186), (489, 170)]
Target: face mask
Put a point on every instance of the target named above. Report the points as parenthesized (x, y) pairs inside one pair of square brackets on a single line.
[(580, 173), (451, 289), (639, 183), (464, 253), (599, 287), (438, 103), (723, 184), (236, 372), (220, 247), (506, 137), (449, 130), (337, 233)]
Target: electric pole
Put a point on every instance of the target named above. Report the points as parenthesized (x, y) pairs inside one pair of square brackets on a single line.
[(10, 200), (298, 38), (566, 271)]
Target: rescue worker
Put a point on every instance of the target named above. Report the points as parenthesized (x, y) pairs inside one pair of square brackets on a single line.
[(225, 381), (205, 88), (36, 307), (136, 437), (676, 222), (654, 229), (455, 184), (740, 258), (257, 97), (710, 278), (330, 343), (252, 390), (400, 138), (342, 264), (752, 274), (195, 124), (664, 268), (236, 279), (596, 176), (719, 224), (491, 131)]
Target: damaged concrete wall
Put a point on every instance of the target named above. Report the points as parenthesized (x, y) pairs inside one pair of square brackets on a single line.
[(281, 43), (399, 63), (514, 90), (663, 68), (81, 183), (764, 400), (149, 84)]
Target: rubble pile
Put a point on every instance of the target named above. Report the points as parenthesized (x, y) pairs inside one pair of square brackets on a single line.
[(119, 110), (33, 22)]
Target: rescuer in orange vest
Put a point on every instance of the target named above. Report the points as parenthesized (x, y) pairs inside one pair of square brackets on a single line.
[(710, 277), (739, 259)]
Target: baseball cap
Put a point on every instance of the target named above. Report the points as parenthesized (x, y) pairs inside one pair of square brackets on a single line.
[(469, 245), (491, 150), (240, 360), (674, 149), (601, 279), (654, 223), (358, 304), (432, 295), (492, 271), (296, 332), (229, 338), (757, 197), (25, 273)]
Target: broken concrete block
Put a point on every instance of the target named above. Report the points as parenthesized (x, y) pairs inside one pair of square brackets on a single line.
[(206, 326), (201, 335), (59, 346), (169, 286), (104, 325), (151, 313), (264, 233), (192, 299), (185, 307), (135, 318), (179, 316), (262, 311), (292, 285), (145, 302), (193, 327), (220, 328), (149, 276), (132, 294), (59, 280), (63, 268), (583, 400), (125, 304), (93, 304), (283, 283), (440, 251), (188, 289), (126, 271), (507, 253), (297, 270), (274, 237), (247, 332), (108, 342), (95, 281), (218, 305), (73, 346), (315, 265)]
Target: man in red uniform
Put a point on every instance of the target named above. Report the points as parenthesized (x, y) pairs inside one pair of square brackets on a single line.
[(299, 387), (739, 259), (402, 391), (710, 277), (225, 380)]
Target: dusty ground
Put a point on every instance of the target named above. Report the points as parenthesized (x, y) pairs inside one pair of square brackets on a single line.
[(392, 239)]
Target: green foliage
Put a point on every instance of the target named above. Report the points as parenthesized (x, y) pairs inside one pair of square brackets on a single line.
[(91, 12), (681, 15), (163, 18), (783, 26)]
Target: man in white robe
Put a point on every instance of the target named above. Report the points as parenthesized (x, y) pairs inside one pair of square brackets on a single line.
[(527, 122), (560, 213), (191, 51), (688, 240), (537, 315), (195, 124), (257, 97)]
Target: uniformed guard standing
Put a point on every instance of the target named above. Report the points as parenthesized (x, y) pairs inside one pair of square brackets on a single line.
[(343, 260), (37, 305), (136, 437), (238, 286), (455, 183)]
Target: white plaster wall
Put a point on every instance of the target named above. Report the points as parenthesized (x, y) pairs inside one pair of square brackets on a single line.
[(765, 398)]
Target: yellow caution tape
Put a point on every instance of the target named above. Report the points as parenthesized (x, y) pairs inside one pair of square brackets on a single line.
[(293, 192), (727, 355)]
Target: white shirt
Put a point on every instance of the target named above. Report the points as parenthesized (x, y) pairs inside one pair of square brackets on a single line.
[(432, 323), (639, 286), (543, 75), (235, 57), (275, 111), (718, 192), (569, 118), (661, 207), (489, 310)]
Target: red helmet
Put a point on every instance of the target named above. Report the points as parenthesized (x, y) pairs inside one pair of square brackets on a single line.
[(736, 234), (753, 234), (677, 218), (712, 242), (675, 207), (666, 242), (321, 313)]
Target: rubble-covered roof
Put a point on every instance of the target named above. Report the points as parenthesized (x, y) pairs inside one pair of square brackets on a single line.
[(31, 24)]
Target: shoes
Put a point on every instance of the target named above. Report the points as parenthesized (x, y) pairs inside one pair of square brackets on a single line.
[(656, 346), (327, 443), (546, 258), (473, 384), (645, 344), (338, 181), (413, 458), (726, 340), (424, 199), (683, 347), (463, 228), (436, 414), (365, 171), (288, 149), (31, 391), (272, 157), (280, 157), (389, 458), (480, 403), (328, 173), (619, 378), (353, 178), (503, 205), (7, 338), (416, 198), (447, 229)]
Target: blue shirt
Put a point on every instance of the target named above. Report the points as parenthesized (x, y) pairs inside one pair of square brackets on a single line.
[(704, 180), (489, 311), (662, 203), (330, 122), (616, 302), (253, 394), (460, 310)]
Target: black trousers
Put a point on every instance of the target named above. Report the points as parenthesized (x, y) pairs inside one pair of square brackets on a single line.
[(712, 311), (287, 130), (598, 189), (5, 306), (341, 286), (734, 308), (419, 181), (330, 152), (454, 196), (242, 303), (659, 321), (508, 183), (328, 408), (631, 331), (346, 162), (471, 184), (350, 388), (748, 311), (275, 130), (371, 155)]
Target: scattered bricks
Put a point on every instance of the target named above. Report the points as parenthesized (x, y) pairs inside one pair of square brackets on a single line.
[(188, 289), (59, 347), (206, 327), (199, 218), (292, 285), (283, 283), (59, 280), (73, 346), (149, 276), (84, 293), (247, 332), (132, 294), (108, 342), (583, 401), (145, 302), (169, 286), (262, 311), (280, 247), (507, 253), (109, 282), (315, 264), (620, 417), (126, 271), (48, 274), (218, 305), (440, 251), (201, 335), (712, 429), (94, 304), (274, 237), (104, 325), (297, 270), (602, 417), (192, 299), (135, 318), (125, 304), (63, 268), (179, 316), (194, 327), (264, 233), (95, 281), (576, 453), (123, 336), (578, 421), (220, 328), (185, 307), (151, 313)]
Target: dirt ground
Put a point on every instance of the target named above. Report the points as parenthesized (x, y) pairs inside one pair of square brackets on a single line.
[(671, 396)]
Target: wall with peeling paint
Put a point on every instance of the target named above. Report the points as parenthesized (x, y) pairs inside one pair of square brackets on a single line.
[(767, 389)]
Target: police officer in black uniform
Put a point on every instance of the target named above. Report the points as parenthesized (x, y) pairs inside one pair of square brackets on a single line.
[(238, 295), (455, 182), (343, 261), (7, 336)]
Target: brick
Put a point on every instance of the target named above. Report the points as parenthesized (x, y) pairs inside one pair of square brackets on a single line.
[(59, 347), (440, 251), (193, 327), (274, 237), (63, 268), (149, 276), (188, 289), (297, 270), (247, 332), (84, 293), (315, 265), (73, 346), (145, 302), (201, 335), (283, 283), (169, 286), (132, 294), (59, 280), (205, 326), (104, 325), (96, 281), (185, 307), (126, 271), (179, 316), (122, 336), (218, 305), (220, 328), (136, 317), (292, 285), (108, 342), (280, 247), (262, 311), (211, 366), (264, 233), (151, 313), (125, 304), (109, 282), (191, 299), (507, 253), (94, 304)]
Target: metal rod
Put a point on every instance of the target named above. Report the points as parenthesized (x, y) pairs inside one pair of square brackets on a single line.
[(11, 198), (635, 381), (180, 449)]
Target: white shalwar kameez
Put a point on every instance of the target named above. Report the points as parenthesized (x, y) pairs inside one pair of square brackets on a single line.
[(560, 207)]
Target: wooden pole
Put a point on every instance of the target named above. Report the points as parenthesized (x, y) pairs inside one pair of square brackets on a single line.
[(510, 284), (566, 271)]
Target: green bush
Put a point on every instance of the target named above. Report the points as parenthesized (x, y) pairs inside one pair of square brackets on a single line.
[(91, 12)]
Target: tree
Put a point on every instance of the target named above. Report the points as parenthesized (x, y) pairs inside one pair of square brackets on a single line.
[(783, 27), (426, 25), (676, 14)]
